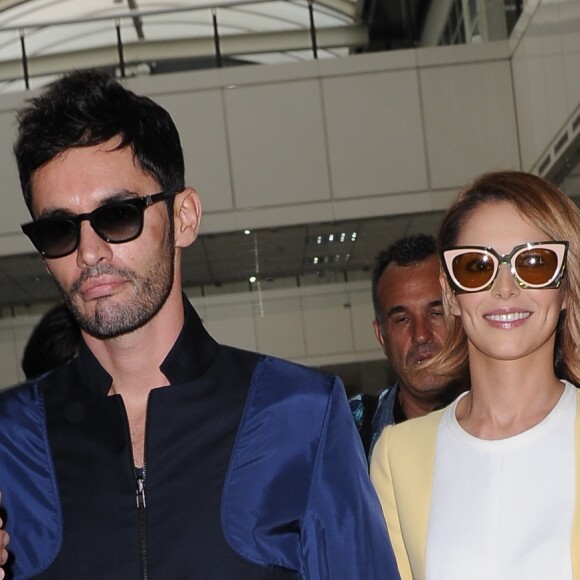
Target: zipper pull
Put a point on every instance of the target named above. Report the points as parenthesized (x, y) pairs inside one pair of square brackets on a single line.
[(140, 492)]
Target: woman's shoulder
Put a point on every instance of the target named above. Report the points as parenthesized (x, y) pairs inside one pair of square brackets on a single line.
[(419, 426), (415, 439)]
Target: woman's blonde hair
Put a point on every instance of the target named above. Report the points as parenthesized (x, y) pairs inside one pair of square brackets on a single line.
[(551, 211)]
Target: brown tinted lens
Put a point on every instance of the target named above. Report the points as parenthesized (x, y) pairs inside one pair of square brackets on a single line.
[(473, 269), (536, 266)]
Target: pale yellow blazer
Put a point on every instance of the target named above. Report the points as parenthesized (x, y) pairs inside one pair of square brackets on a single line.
[(402, 472)]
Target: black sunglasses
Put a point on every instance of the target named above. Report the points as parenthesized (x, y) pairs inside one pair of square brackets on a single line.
[(115, 222)]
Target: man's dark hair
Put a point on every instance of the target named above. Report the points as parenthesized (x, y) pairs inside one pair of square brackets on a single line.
[(54, 340), (87, 108), (403, 252)]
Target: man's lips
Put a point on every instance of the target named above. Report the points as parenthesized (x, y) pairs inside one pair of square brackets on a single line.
[(100, 286), (418, 359)]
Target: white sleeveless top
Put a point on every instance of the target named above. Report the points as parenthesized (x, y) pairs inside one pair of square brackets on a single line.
[(502, 509)]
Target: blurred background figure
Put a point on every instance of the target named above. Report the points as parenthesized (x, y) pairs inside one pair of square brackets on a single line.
[(54, 341), (410, 327)]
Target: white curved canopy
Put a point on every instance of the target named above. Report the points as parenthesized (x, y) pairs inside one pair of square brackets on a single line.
[(56, 35)]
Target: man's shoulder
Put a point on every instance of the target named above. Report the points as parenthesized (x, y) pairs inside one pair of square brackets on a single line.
[(372, 405), (383, 393), (294, 376), (268, 367), (362, 399), (21, 411), (19, 393)]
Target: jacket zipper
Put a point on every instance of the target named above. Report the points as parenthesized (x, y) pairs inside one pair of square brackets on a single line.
[(142, 512), (141, 501)]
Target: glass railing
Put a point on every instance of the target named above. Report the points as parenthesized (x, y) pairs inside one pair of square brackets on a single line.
[(153, 42)]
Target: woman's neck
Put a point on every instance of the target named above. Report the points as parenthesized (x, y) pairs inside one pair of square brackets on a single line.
[(508, 397)]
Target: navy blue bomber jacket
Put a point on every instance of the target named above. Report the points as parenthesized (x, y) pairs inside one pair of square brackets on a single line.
[(253, 470)]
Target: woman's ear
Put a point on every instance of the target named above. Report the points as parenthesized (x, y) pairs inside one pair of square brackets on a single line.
[(450, 302), (187, 217)]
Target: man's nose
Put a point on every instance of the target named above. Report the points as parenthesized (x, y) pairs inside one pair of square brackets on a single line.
[(422, 332), (92, 249)]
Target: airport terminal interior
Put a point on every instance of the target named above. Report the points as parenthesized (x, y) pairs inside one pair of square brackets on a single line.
[(285, 259)]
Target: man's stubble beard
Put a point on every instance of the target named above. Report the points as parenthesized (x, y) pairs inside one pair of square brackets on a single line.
[(111, 319)]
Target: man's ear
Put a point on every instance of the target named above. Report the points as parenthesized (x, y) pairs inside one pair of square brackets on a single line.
[(449, 299), (378, 328), (187, 216)]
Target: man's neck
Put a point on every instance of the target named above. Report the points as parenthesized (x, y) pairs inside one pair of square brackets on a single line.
[(398, 413), (133, 360), (410, 408)]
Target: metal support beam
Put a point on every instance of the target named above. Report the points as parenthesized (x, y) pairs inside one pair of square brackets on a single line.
[(120, 52), (216, 38), (146, 52), (312, 29), (25, 72)]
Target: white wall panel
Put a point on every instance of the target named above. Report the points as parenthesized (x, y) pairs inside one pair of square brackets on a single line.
[(394, 204), (375, 135), (327, 324), (277, 144), (280, 330), (362, 315), (14, 210), (13, 336), (469, 121), (8, 360), (199, 116), (22, 330), (231, 323)]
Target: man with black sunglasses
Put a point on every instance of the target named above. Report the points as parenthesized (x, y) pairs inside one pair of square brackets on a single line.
[(156, 452)]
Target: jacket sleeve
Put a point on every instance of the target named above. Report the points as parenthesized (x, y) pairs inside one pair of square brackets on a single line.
[(30, 498), (343, 536)]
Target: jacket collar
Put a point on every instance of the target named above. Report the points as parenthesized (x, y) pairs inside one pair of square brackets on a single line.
[(189, 358)]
